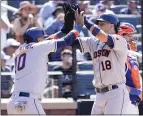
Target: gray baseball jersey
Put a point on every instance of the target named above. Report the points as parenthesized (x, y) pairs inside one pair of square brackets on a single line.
[(108, 63)]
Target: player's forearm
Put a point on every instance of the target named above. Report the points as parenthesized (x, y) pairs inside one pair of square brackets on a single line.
[(95, 30), (57, 35), (73, 34), (135, 75), (60, 34), (69, 38)]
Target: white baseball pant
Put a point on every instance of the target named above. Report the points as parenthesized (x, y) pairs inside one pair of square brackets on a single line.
[(24, 106), (113, 102), (133, 109)]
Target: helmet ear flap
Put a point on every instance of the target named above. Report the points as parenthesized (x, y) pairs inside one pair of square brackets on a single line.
[(27, 39), (96, 22)]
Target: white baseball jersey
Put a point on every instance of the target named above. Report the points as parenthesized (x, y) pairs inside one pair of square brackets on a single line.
[(31, 66), (108, 63)]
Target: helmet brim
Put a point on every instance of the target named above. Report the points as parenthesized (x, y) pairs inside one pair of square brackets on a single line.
[(45, 36), (100, 20)]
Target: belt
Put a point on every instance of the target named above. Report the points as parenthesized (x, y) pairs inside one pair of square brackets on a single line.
[(106, 89), (26, 94)]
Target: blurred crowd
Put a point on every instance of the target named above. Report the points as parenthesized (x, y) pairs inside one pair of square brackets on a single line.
[(50, 17)]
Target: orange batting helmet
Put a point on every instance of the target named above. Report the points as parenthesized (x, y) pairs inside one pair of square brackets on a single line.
[(127, 30)]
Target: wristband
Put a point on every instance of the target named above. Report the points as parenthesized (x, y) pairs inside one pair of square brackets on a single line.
[(135, 91), (94, 29), (78, 27), (87, 23), (76, 33)]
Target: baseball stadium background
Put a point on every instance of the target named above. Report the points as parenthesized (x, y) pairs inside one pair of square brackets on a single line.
[(68, 89)]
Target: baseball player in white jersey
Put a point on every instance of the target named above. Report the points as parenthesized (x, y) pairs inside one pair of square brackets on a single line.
[(109, 52), (31, 69)]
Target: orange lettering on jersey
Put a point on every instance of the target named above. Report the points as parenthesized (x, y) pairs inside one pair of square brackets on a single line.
[(22, 50), (103, 52), (29, 46)]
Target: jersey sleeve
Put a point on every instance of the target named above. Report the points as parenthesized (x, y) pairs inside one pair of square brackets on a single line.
[(85, 44), (134, 73), (119, 43), (46, 46)]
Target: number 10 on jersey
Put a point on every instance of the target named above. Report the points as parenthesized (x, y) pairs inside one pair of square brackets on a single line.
[(20, 62)]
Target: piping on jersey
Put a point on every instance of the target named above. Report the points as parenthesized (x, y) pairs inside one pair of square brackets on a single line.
[(81, 45), (99, 63), (123, 101), (36, 108)]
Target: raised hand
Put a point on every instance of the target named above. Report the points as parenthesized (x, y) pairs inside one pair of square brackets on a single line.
[(79, 17), (69, 18), (75, 7)]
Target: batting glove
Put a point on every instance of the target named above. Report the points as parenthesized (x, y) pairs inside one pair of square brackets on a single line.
[(69, 18)]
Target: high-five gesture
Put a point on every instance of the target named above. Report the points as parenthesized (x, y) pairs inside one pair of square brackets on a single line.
[(69, 18), (79, 17)]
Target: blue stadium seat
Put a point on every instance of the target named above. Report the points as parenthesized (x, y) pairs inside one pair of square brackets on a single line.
[(116, 9), (139, 46), (52, 65), (84, 84), (133, 19), (85, 31), (85, 66), (139, 28)]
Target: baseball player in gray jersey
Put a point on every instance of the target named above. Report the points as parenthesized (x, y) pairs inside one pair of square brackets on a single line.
[(109, 52)]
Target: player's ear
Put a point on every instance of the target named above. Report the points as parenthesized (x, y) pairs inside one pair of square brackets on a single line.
[(112, 27), (38, 39)]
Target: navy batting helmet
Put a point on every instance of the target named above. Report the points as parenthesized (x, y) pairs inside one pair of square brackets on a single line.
[(32, 34), (111, 18)]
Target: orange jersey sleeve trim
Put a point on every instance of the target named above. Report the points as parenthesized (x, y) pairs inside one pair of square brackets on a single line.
[(136, 77), (75, 33), (91, 29)]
